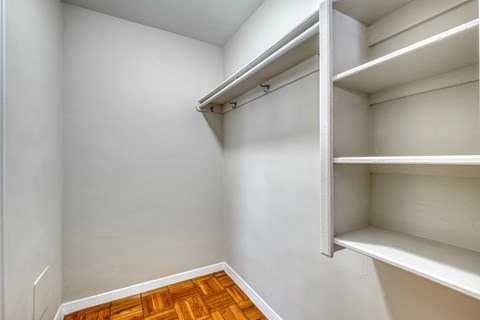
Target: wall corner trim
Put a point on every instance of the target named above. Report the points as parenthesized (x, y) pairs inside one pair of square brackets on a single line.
[(72, 306)]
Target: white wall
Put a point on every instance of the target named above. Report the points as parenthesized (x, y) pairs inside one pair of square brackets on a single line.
[(272, 211), (142, 168), (2, 166), (33, 150), (268, 24)]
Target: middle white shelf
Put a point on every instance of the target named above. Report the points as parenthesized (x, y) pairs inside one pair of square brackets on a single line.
[(433, 160)]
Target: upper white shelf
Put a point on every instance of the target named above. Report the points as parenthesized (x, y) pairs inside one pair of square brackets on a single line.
[(433, 160), (298, 45), (448, 265), (447, 51)]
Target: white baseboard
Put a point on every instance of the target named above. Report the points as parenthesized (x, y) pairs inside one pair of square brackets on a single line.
[(255, 297), (87, 302), (59, 315), (72, 306)]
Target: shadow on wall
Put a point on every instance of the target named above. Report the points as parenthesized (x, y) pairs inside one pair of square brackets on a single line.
[(215, 123), (402, 290)]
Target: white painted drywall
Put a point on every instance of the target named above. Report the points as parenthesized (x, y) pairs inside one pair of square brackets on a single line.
[(268, 24), (2, 166), (33, 151), (142, 170), (272, 215)]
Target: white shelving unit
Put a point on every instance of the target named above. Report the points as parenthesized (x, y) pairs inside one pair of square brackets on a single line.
[(400, 135), (297, 46)]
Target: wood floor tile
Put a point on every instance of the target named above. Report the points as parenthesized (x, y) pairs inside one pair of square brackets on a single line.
[(70, 316), (93, 309), (103, 314), (129, 308), (218, 301), (165, 314), (191, 309), (239, 296), (211, 297), (224, 279), (99, 312), (253, 313), (208, 285), (182, 290), (233, 312), (134, 313), (156, 301)]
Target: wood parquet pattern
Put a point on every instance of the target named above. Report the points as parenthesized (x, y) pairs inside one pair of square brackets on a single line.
[(211, 297)]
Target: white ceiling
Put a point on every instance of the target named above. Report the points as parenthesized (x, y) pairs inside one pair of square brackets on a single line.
[(212, 21)]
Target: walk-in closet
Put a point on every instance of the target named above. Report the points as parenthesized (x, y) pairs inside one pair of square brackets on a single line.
[(240, 160)]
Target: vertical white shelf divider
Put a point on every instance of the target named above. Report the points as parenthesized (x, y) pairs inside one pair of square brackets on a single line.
[(326, 139)]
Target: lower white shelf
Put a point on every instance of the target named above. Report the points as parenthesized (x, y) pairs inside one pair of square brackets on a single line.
[(434, 160), (448, 265)]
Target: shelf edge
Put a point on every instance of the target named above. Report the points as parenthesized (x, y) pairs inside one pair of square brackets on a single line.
[(424, 160)]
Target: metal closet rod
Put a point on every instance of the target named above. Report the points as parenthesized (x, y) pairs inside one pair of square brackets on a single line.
[(237, 105), (287, 47), (300, 28)]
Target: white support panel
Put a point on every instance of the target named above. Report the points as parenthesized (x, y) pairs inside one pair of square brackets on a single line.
[(326, 139), (445, 52), (448, 265), (427, 160)]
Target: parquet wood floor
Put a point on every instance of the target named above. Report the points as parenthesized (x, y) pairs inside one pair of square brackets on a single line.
[(211, 297)]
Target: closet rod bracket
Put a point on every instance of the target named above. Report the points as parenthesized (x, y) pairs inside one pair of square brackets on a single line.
[(266, 87), (211, 108)]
